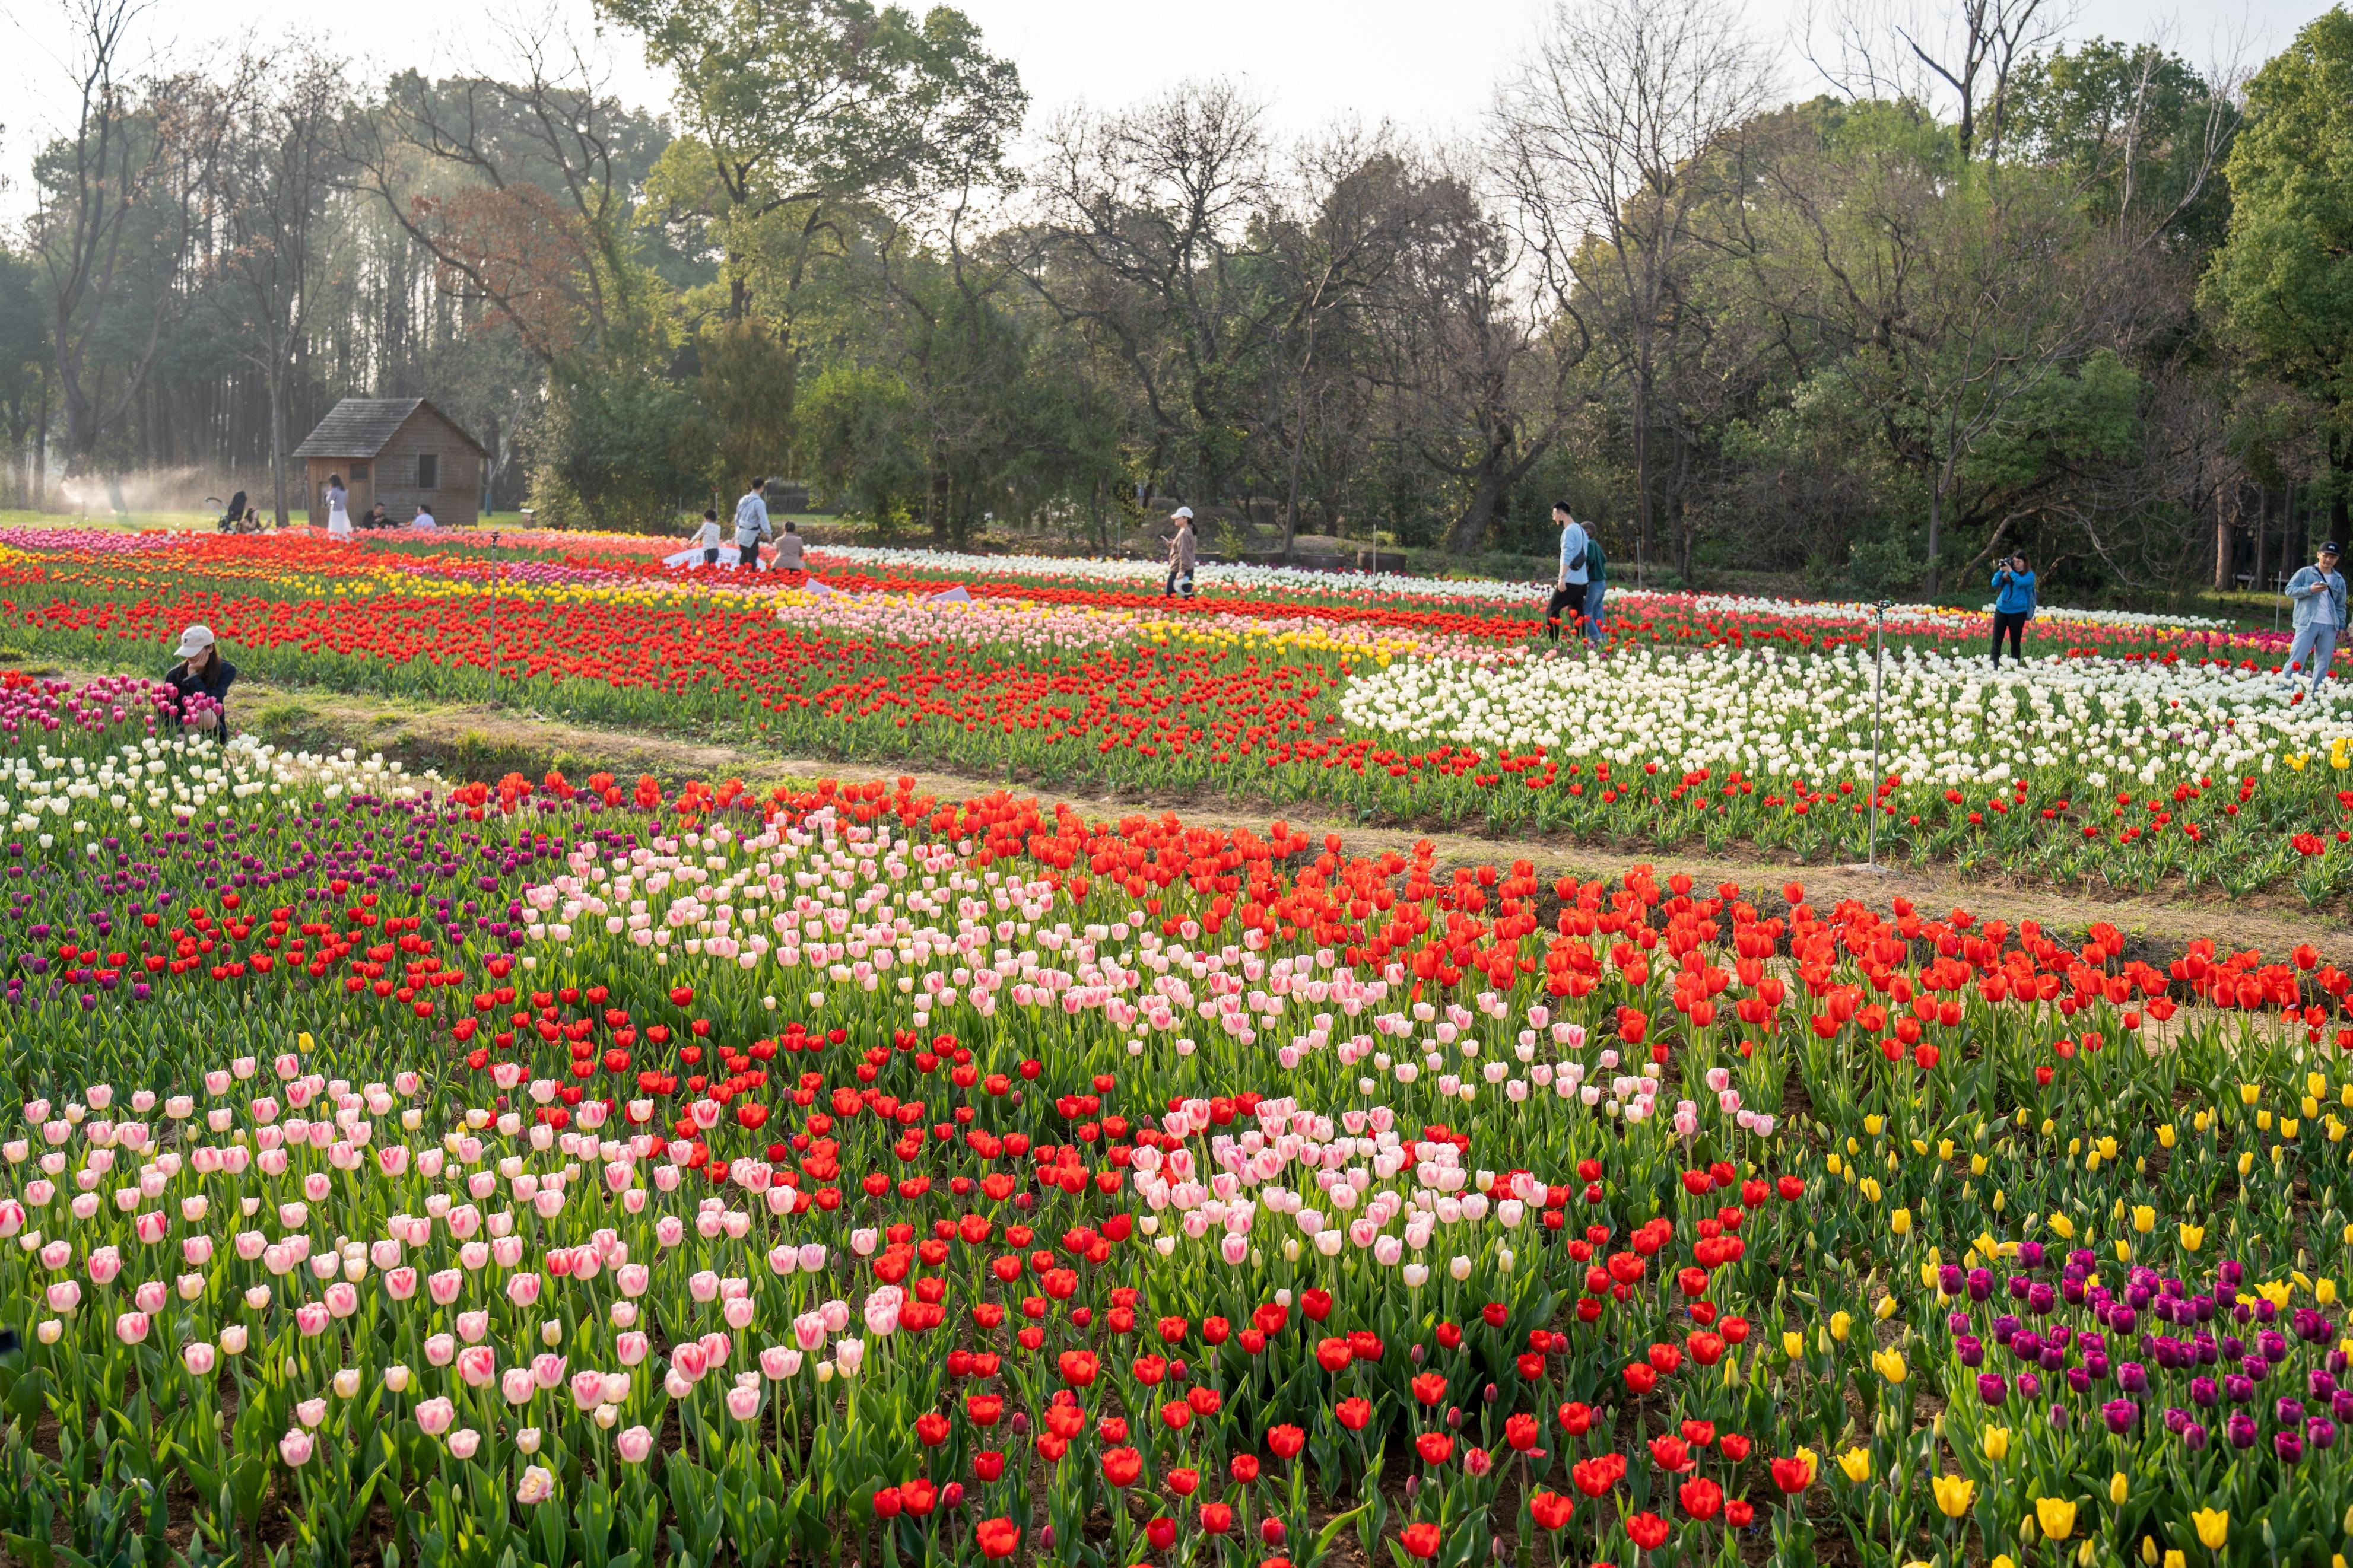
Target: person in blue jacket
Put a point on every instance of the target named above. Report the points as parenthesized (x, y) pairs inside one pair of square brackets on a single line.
[(2013, 606), (2318, 591)]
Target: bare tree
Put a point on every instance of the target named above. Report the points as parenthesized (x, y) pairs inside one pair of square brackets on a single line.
[(278, 170), (1147, 242), (1895, 48), (1477, 377), (1607, 140), (517, 188), (128, 196)]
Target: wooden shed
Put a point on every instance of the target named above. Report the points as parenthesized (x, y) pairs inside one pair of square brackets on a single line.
[(401, 451)]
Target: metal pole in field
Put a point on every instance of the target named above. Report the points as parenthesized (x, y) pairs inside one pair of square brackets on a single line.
[(1878, 651), (494, 617)]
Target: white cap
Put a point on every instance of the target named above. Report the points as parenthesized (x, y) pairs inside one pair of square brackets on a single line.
[(1183, 511), (193, 641)]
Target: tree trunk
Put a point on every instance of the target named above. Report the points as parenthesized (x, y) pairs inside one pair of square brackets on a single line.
[(2263, 533), (1936, 528), (2222, 543), (277, 438), (1643, 509)]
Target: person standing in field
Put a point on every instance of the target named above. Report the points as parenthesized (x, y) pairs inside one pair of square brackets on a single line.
[(2013, 606), (339, 517), (1574, 577), (706, 537), (751, 525), (2318, 591), (1597, 590), (1184, 555)]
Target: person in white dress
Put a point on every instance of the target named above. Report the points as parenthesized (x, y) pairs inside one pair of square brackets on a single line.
[(338, 520)]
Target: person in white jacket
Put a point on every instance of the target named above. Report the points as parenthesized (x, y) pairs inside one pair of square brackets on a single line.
[(339, 516), (751, 525)]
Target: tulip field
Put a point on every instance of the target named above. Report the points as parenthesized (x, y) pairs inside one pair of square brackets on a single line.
[(2136, 752), (624, 1171)]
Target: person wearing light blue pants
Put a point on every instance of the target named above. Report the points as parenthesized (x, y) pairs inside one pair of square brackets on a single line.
[(1597, 590), (2318, 591)]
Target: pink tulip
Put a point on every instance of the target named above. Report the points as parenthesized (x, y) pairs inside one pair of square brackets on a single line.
[(296, 1447), (443, 1286), (779, 1362), (473, 1326), (199, 1357), (689, 1361), (587, 1390), (547, 1370), (342, 1299), (434, 1416), (808, 1332), (744, 1402), (149, 1225), (630, 1347), (478, 1364), (311, 1318), (64, 1296), (523, 1289), (633, 1279), (441, 1350), (517, 1386), (310, 1412), (195, 1251), (634, 1445), (463, 1442), (130, 1328), (400, 1284), (151, 1296), (104, 1265)]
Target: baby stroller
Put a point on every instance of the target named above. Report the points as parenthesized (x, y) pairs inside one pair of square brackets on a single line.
[(232, 519)]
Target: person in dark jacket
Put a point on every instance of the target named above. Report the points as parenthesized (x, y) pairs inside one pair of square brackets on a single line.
[(202, 669), (2013, 606)]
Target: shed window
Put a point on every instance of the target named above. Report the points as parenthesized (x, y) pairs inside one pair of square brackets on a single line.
[(428, 470), (359, 472)]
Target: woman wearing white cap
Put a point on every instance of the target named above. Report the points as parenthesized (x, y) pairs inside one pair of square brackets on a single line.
[(1183, 547), (202, 669)]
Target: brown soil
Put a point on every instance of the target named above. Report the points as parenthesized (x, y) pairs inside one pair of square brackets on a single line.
[(478, 742)]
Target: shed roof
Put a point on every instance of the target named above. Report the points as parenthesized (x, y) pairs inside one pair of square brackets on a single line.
[(363, 426)]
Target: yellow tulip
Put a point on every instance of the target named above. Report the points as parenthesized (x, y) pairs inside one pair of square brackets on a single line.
[(1977, 1164), (1944, 1148), (2325, 1292), (1871, 1124), (1996, 1442), (1793, 1344), (1811, 1461), (2107, 1147), (2002, 1561), (1856, 1463), (2148, 1550), (1886, 1309), (2056, 1516), (1900, 1222), (1954, 1495), (2124, 1250), (2165, 1135), (2063, 1228), (1890, 1365), (2193, 1236), (1840, 1324), (2247, 1093), (2144, 1218), (1871, 1188), (2288, 1125), (2118, 1489), (2175, 1560), (2214, 1526)]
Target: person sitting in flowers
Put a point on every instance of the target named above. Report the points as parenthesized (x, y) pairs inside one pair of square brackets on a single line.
[(202, 669)]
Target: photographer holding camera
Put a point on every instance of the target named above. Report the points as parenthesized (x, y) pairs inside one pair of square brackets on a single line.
[(2013, 606)]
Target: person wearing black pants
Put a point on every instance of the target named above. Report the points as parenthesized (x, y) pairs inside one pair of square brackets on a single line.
[(2013, 606), (1569, 584)]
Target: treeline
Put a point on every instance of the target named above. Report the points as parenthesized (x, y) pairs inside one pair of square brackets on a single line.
[(1997, 292)]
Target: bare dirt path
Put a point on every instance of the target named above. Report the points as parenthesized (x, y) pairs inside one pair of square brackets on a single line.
[(478, 742)]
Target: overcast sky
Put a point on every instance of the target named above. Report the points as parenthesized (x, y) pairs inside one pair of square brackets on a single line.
[(1428, 65)]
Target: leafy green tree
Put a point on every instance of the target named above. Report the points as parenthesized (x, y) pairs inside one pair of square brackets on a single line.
[(2282, 283)]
